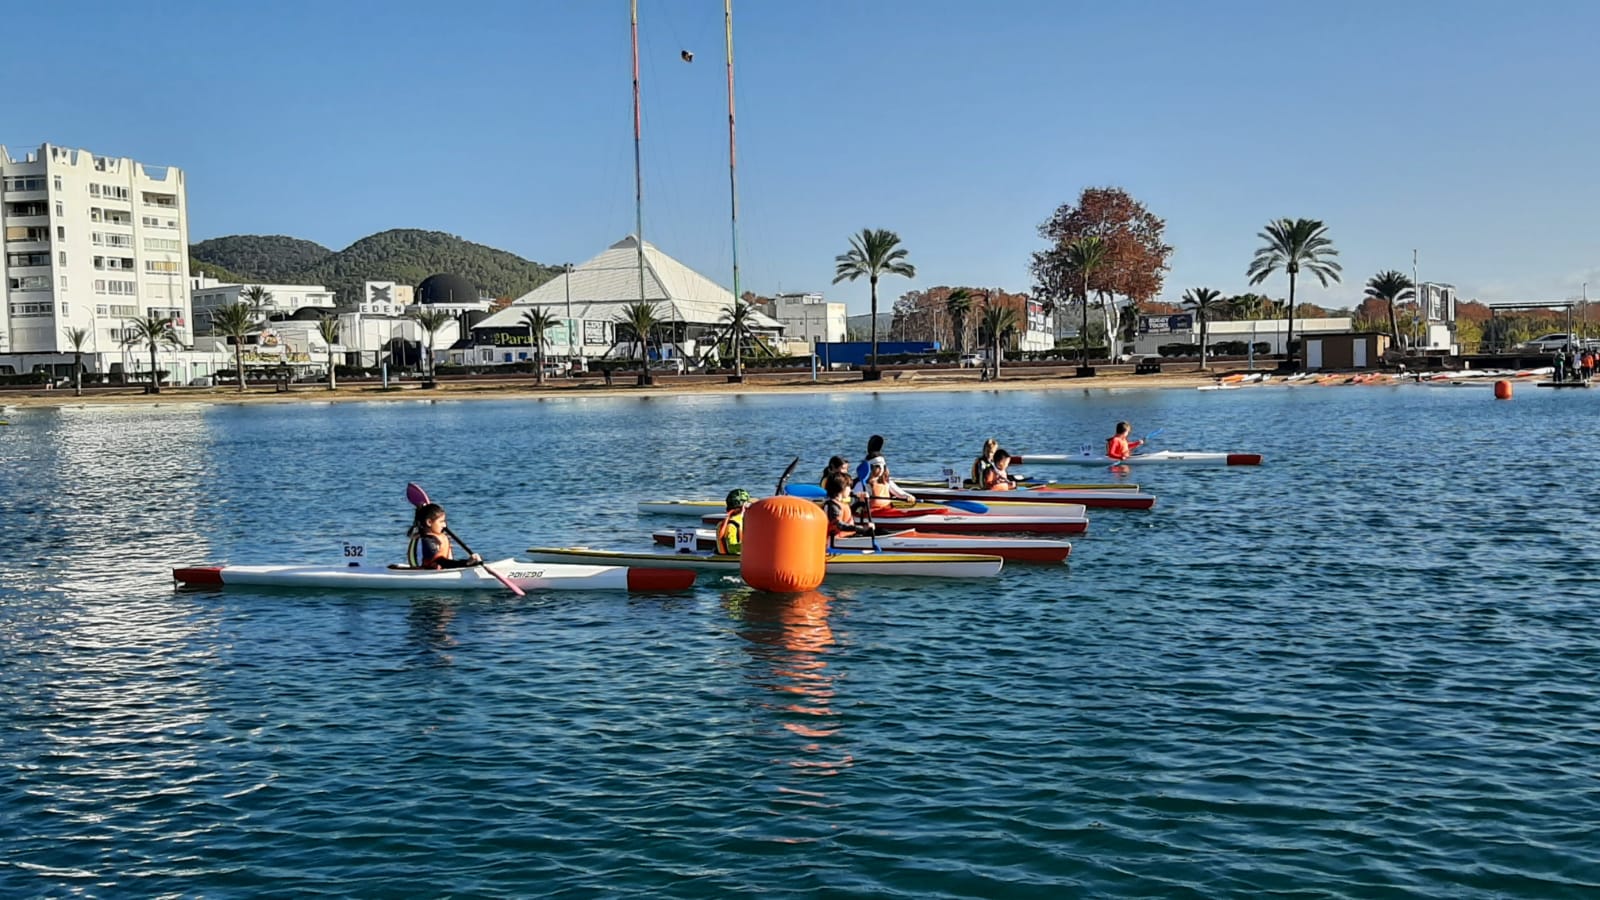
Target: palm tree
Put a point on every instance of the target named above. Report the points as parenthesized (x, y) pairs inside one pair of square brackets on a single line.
[(1204, 301), (1292, 245), (1392, 287), (643, 318), (737, 319), (873, 253), (154, 332), (235, 322), (328, 330), (539, 321), (959, 305), (257, 299), (431, 320), (998, 321), (1085, 255), (77, 337)]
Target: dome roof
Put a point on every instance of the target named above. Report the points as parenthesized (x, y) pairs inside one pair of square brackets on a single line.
[(308, 314), (445, 288)]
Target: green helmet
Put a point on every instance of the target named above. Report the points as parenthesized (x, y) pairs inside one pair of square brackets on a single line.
[(738, 497)]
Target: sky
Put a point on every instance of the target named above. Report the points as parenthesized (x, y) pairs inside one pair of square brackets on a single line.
[(1466, 131)]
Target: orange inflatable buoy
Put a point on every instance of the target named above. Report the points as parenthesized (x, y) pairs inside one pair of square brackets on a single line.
[(785, 545), (1502, 390)]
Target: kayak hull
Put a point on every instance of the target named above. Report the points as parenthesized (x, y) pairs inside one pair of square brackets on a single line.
[(1160, 457), (1010, 549), (988, 523), (1096, 499), (845, 563), (476, 578)]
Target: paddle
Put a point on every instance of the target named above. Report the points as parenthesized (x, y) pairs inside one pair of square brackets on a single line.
[(784, 479), (1145, 443), (419, 497), (971, 506)]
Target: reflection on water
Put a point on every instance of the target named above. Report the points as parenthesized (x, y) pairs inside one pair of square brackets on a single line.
[(789, 634), (428, 627)]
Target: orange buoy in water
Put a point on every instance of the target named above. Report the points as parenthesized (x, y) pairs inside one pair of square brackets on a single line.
[(785, 545), (1502, 390)]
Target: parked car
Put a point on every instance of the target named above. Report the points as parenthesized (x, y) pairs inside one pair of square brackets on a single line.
[(971, 361), (1549, 343)]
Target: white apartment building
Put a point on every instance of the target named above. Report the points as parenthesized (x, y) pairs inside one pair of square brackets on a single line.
[(809, 318), (90, 241)]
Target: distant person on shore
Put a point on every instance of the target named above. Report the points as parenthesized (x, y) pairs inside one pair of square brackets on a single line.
[(730, 534), (998, 478), (881, 489), (840, 519), (1118, 447), (838, 465), (984, 462), (429, 547)]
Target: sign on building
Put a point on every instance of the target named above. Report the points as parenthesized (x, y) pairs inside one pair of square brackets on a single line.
[(1166, 324), (594, 332), (378, 292)]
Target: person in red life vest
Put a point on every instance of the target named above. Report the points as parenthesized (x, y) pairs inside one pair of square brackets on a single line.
[(998, 476), (730, 534), (1118, 447), (880, 488), (430, 545), (840, 519)]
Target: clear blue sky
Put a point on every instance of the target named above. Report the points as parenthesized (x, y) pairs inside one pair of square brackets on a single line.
[(1466, 130)]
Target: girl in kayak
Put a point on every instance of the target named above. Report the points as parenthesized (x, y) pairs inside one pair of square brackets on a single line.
[(874, 449), (836, 466), (1118, 447), (998, 478), (730, 534), (840, 519), (430, 545), (880, 488), (984, 462)]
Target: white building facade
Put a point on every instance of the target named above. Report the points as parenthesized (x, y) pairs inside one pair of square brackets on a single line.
[(208, 294), (809, 318), (89, 242)]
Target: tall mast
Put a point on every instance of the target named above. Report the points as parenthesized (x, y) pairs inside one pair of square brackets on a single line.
[(733, 171), (638, 177)]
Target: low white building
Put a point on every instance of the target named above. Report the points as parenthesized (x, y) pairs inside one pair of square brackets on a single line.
[(809, 318), (1181, 328), (282, 300)]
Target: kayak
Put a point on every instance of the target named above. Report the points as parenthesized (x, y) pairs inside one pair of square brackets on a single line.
[(1026, 481), (475, 578), (844, 562), (1011, 549), (970, 523), (1158, 456), (1097, 499)]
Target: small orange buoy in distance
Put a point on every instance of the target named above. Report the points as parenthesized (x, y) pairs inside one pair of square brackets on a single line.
[(1502, 390), (785, 545)]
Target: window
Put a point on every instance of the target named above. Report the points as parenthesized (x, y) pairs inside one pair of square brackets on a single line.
[(19, 260), (158, 222), (63, 286), (25, 183), (63, 255), (65, 310), (61, 232), (61, 209), (96, 214), (20, 310), (23, 233), (94, 190), (159, 244), (58, 182), (29, 282), (161, 267)]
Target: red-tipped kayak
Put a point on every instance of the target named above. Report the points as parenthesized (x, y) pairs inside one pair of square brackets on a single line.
[(1010, 549), (1159, 457), (528, 576), (1097, 499)]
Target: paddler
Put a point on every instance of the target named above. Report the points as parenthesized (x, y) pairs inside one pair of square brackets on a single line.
[(430, 545), (1118, 447), (998, 478), (880, 488), (840, 519), (984, 462), (874, 449), (730, 534), (838, 465)]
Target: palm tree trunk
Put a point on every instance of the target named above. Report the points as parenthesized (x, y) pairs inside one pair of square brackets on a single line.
[(1394, 325), (333, 377), (1288, 343), (1202, 340), (77, 374), (155, 378), (538, 360), (1083, 333), (874, 281)]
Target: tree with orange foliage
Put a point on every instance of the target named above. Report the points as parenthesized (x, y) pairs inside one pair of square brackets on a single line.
[(1136, 257)]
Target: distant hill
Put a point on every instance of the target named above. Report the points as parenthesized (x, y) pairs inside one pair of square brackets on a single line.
[(272, 258), (406, 255)]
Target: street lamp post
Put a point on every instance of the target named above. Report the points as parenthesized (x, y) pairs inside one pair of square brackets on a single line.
[(571, 352)]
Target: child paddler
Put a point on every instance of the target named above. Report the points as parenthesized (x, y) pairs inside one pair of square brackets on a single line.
[(1118, 447), (840, 519), (730, 534), (429, 547)]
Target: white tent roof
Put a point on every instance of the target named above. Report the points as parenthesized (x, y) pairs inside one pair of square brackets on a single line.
[(610, 281)]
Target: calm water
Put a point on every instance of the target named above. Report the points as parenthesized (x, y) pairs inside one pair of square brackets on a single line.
[(1370, 668)]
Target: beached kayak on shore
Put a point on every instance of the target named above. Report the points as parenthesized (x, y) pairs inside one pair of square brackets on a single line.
[(847, 562), (475, 578)]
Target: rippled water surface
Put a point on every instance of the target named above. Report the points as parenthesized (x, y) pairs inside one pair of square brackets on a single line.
[(1368, 668)]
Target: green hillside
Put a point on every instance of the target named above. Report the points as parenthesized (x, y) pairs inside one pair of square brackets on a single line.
[(405, 255)]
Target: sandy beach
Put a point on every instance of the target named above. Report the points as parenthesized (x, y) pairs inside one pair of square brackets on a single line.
[(503, 389)]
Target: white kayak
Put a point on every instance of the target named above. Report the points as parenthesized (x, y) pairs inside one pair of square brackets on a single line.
[(1021, 507), (845, 562), (1098, 499), (1010, 549), (1145, 459), (950, 521), (475, 578)]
